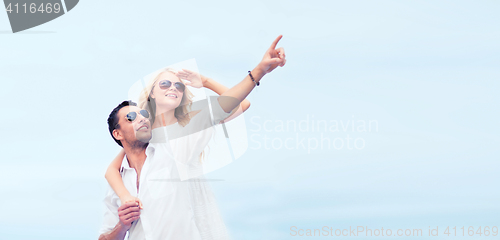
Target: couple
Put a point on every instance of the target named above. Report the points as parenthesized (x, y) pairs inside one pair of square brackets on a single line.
[(158, 192)]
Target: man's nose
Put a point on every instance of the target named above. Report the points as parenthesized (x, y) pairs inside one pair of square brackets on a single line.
[(142, 119)]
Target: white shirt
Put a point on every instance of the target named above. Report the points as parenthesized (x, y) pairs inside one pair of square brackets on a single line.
[(173, 209)]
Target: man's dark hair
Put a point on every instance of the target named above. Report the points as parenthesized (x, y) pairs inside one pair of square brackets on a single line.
[(113, 118)]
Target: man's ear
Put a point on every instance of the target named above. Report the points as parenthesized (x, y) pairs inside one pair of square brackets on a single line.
[(117, 135)]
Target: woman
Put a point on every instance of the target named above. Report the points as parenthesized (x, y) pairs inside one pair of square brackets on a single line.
[(181, 135)]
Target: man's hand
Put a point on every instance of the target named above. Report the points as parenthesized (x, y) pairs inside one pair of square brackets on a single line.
[(128, 212), (273, 57)]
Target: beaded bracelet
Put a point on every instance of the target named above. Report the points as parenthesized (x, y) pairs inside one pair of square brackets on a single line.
[(253, 80)]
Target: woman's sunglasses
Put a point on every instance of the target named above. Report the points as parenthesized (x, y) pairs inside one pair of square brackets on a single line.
[(131, 116), (165, 84)]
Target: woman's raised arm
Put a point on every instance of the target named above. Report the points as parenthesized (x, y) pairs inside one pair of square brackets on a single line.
[(272, 59), (197, 80)]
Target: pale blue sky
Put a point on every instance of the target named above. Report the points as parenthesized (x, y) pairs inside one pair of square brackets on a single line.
[(426, 71)]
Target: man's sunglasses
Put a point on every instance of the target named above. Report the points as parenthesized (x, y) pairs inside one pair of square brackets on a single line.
[(165, 84), (131, 116)]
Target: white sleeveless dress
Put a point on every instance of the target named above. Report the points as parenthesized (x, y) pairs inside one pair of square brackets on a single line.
[(186, 144)]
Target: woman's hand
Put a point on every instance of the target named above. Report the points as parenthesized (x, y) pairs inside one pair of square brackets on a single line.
[(273, 57), (130, 198), (195, 79)]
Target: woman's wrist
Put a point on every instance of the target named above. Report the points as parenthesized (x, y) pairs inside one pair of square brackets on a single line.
[(258, 73), (207, 82), (125, 196)]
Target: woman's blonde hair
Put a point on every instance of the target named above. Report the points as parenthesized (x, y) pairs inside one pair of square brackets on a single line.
[(149, 103), (181, 112)]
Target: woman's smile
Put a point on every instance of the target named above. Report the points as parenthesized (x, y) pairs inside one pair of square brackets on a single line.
[(172, 95)]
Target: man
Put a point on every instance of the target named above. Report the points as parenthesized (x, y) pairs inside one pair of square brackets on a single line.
[(131, 130), (149, 172)]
